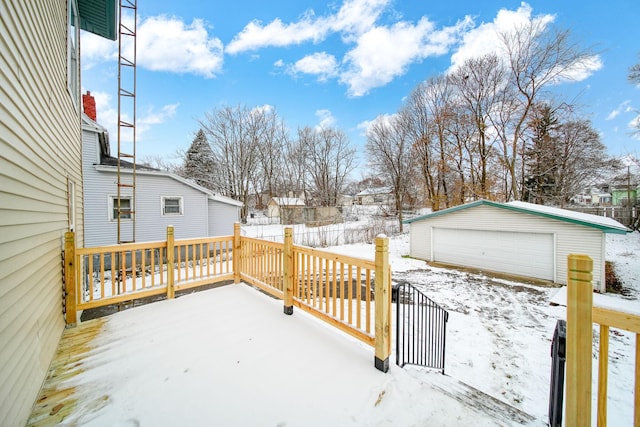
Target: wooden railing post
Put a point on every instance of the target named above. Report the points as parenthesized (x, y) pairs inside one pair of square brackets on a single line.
[(70, 278), (383, 304), (171, 293), (288, 270), (236, 252), (579, 340)]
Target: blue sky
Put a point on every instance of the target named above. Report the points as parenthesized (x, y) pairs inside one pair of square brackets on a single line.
[(342, 63)]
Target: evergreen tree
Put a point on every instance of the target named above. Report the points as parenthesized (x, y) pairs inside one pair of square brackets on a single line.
[(199, 162)]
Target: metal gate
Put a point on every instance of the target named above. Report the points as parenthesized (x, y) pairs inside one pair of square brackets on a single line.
[(421, 327)]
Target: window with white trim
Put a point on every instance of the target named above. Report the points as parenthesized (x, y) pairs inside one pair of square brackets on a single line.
[(73, 52), (172, 205), (125, 208)]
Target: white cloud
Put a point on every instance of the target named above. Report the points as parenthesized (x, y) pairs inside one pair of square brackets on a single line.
[(95, 49), (353, 18), (321, 64), (365, 126), (634, 125), (383, 53), (107, 116), (163, 44), (380, 54), (263, 109), (168, 44), (485, 39), (326, 119), (255, 36), (624, 106)]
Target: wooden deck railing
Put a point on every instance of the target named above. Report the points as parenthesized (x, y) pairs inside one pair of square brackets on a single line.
[(340, 290), (580, 317)]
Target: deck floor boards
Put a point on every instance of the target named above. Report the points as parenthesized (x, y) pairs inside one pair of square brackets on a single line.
[(57, 399)]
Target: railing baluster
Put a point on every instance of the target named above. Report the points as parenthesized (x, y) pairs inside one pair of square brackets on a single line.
[(636, 394), (603, 373)]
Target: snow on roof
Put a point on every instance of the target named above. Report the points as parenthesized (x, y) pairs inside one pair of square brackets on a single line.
[(224, 199), (372, 191), (288, 201), (571, 215), (607, 225)]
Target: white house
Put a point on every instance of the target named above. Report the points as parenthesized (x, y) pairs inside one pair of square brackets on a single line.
[(274, 205), (161, 199), (40, 183), (375, 196), (516, 238)]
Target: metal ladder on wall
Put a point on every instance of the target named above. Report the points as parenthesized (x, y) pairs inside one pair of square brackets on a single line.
[(127, 119)]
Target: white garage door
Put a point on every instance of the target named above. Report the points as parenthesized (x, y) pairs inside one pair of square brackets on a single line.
[(524, 254)]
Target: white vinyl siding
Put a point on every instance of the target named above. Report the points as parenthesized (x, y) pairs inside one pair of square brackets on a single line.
[(222, 217), (40, 151), (569, 238)]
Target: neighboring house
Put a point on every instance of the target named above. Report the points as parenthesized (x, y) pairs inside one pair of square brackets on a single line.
[(375, 196), (162, 199), (276, 203), (620, 195), (516, 238), (345, 200), (592, 197), (41, 181)]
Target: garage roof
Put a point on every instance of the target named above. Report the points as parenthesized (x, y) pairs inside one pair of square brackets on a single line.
[(607, 225)]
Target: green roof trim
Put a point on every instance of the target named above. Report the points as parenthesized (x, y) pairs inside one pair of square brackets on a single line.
[(572, 220), (99, 17)]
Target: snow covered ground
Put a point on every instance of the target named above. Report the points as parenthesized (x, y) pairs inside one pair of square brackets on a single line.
[(229, 356)]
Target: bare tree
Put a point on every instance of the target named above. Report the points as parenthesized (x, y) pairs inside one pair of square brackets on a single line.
[(390, 155), (294, 167), (271, 148), (160, 163), (439, 105), (537, 57), (234, 134), (634, 74), (330, 159), (416, 119), (634, 78)]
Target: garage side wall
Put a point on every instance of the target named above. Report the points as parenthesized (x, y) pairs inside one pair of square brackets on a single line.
[(570, 238)]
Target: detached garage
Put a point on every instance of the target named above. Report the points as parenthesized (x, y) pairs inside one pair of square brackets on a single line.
[(516, 238)]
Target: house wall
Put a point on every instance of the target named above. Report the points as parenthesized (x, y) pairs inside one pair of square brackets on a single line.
[(273, 210), (151, 225), (40, 147), (570, 238), (222, 217)]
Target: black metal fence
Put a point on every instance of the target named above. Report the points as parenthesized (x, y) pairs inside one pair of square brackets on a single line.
[(558, 356), (421, 327)]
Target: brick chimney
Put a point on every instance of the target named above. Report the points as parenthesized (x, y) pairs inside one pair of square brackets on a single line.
[(89, 104)]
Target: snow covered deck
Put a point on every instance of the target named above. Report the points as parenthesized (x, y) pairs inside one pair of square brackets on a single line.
[(228, 356)]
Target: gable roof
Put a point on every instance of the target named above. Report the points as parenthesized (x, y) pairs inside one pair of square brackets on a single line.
[(375, 191), (288, 201), (606, 225)]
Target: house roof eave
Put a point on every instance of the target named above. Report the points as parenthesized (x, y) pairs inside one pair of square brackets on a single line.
[(519, 207)]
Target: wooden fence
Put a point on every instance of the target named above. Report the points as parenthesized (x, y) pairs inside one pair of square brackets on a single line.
[(341, 290), (580, 317)]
